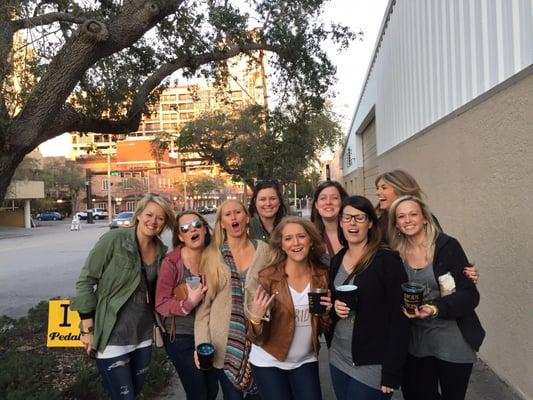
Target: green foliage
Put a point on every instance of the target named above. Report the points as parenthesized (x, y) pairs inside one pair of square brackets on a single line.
[(30, 371), (252, 144)]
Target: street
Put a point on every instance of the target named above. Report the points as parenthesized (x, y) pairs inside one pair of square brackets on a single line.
[(44, 262)]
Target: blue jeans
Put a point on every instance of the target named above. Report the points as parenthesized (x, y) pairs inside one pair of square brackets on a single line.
[(293, 384), (348, 388), (229, 391), (123, 376), (198, 384)]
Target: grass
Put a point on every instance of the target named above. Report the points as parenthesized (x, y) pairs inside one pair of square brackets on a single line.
[(29, 370)]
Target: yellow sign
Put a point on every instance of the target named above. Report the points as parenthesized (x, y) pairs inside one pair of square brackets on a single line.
[(63, 325)]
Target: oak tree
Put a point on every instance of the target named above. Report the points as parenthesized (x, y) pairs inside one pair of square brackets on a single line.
[(92, 66)]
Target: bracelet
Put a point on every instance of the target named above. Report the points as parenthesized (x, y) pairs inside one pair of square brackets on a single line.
[(434, 309), (89, 331), (255, 322)]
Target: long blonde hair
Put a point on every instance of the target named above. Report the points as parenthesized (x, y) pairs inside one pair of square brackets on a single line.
[(212, 261), (402, 183), (397, 239)]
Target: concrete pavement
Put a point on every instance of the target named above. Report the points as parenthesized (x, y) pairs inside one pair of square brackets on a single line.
[(484, 384)]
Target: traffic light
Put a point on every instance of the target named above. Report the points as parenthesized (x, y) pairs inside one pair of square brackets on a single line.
[(183, 166)]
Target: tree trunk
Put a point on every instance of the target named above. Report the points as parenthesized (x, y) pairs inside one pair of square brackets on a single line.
[(9, 160)]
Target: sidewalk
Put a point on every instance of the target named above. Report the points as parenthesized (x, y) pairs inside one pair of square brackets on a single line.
[(44, 227), (484, 385)]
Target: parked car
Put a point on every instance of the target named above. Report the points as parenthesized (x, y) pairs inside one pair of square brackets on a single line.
[(203, 210), (50, 216), (212, 209), (122, 220), (98, 213)]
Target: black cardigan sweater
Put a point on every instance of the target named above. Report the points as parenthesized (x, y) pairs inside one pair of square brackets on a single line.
[(450, 257), (381, 331)]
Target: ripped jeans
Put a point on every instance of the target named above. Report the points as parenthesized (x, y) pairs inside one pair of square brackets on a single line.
[(123, 376)]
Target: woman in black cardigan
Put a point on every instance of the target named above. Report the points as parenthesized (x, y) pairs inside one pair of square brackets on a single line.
[(445, 330), (367, 350)]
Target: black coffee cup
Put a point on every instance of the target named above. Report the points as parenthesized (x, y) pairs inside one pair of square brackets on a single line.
[(413, 296), (315, 308), (348, 295), (206, 353)]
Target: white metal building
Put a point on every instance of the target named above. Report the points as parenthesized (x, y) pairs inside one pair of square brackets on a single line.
[(448, 97)]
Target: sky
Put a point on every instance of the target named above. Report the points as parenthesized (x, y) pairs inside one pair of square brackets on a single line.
[(352, 64)]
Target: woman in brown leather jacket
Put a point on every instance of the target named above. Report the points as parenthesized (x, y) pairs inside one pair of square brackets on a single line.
[(284, 333)]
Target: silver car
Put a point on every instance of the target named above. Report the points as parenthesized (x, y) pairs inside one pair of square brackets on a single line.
[(122, 220)]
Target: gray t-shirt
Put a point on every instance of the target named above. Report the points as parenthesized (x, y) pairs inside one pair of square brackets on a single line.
[(184, 325), (440, 338), (135, 319), (340, 352)]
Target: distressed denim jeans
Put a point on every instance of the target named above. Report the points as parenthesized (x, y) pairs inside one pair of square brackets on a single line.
[(123, 376)]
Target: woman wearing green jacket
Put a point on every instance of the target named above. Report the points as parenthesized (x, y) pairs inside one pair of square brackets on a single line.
[(114, 297)]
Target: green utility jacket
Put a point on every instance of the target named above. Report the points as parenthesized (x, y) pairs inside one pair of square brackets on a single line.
[(110, 275), (257, 230)]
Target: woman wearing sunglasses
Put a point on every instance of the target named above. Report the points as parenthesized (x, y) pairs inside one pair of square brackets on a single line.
[(266, 209), (368, 344), (177, 307)]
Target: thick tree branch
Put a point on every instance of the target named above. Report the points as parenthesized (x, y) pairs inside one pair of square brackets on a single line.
[(70, 120), (168, 69), (46, 19)]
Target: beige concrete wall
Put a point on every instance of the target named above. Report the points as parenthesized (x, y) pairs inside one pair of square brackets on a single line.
[(477, 171)]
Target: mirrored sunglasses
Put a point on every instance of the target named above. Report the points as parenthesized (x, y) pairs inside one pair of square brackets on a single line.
[(193, 224)]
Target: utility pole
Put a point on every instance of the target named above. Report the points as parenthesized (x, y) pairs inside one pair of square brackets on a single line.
[(109, 211)]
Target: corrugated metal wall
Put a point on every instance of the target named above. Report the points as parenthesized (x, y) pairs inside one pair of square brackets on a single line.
[(437, 55)]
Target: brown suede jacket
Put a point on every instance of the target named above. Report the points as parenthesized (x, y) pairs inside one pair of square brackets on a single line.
[(275, 336)]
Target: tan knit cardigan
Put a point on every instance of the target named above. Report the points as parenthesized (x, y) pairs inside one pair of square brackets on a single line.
[(214, 313)]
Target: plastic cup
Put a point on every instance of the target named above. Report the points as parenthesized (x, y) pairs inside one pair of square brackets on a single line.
[(193, 281), (315, 308), (413, 296), (348, 295), (206, 353)]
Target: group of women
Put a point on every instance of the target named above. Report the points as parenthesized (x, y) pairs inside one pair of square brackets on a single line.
[(257, 269)]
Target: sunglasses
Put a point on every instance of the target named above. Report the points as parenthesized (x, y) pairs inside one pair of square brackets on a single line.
[(193, 224)]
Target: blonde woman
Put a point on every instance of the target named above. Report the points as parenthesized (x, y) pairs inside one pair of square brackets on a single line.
[(229, 262), (445, 330), (285, 351), (114, 297), (393, 184)]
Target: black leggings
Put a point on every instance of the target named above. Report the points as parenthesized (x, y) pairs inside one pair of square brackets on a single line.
[(423, 375)]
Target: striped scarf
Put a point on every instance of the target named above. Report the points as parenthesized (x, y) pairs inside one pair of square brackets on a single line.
[(236, 365)]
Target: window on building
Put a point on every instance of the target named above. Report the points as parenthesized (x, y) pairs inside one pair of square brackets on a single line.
[(169, 116), (105, 184), (170, 127), (186, 106), (168, 97), (236, 94), (153, 126), (185, 97), (186, 116), (168, 107), (130, 205)]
